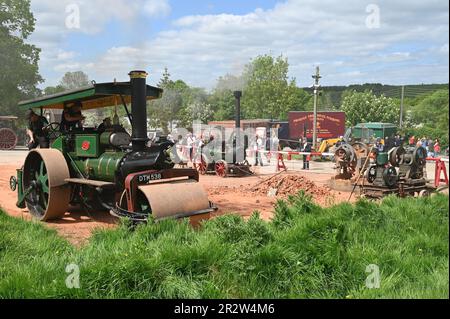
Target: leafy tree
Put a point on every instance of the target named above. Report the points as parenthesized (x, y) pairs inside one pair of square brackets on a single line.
[(165, 111), (360, 107), (230, 82), (165, 81), (49, 90), (268, 92), (222, 104), (429, 117), (19, 73), (74, 80), (221, 99), (432, 111), (195, 108)]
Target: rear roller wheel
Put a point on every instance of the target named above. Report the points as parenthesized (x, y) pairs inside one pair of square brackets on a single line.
[(44, 172), (221, 168), (200, 165), (8, 139)]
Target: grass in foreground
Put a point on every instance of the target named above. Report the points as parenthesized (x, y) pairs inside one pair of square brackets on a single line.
[(306, 252)]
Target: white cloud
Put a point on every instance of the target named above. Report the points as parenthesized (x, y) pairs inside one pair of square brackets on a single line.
[(65, 55), (200, 48), (157, 7)]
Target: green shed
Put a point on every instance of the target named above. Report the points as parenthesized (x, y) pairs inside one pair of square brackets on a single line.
[(374, 129)]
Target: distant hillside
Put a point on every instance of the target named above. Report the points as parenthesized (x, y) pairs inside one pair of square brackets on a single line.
[(331, 95)]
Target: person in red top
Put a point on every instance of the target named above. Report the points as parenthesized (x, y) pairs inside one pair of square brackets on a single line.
[(412, 140), (437, 148)]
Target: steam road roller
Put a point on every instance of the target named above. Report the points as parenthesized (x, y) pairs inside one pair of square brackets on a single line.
[(104, 167)]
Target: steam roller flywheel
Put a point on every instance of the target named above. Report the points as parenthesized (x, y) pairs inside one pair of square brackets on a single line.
[(44, 173)]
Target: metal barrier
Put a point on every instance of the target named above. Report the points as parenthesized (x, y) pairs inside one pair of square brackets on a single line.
[(439, 169)]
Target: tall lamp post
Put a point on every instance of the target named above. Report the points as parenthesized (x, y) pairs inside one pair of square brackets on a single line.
[(316, 87)]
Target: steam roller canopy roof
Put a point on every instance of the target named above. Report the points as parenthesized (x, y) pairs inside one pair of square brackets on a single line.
[(94, 96)]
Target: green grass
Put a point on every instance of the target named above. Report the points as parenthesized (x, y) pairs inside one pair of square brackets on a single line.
[(306, 252)]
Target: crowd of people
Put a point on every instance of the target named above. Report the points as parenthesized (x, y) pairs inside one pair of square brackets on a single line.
[(191, 144), (432, 146)]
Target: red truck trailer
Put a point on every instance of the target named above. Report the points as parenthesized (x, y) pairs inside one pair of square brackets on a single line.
[(330, 124)]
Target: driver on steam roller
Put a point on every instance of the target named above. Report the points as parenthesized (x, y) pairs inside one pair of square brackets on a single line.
[(71, 117), (35, 130)]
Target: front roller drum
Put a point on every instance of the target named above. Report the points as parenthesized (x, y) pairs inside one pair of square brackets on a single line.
[(176, 199), (44, 174)]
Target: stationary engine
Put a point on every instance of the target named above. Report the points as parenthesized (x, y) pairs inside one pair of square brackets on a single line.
[(349, 159), (411, 162), (401, 172), (380, 173)]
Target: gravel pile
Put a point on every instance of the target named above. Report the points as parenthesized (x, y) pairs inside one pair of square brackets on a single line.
[(285, 185)]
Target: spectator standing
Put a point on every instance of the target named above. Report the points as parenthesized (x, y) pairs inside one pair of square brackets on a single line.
[(437, 148), (257, 146), (424, 141), (306, 147), (412, 140), (431, 144), (430, 150), (190, 145)]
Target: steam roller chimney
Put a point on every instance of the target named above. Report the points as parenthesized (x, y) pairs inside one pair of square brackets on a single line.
[(138, 109), (237, 95), (237, 144)]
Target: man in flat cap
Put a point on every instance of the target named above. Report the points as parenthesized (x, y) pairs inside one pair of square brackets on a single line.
[(35, 130)]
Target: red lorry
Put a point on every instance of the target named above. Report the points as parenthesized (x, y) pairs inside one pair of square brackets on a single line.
[(329, 124)]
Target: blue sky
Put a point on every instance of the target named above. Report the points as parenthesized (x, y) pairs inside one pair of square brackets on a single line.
[(125, 34), (355, 41)]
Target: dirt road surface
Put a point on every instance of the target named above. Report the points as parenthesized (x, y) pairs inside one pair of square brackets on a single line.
[(231, 195)]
